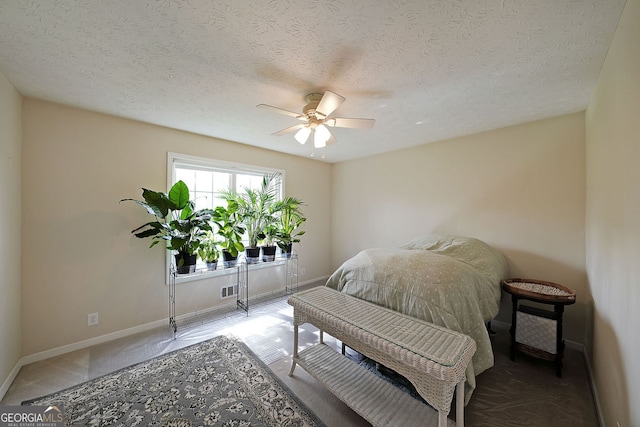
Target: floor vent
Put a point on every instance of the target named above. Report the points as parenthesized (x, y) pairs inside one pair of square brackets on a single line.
[(228, 291)]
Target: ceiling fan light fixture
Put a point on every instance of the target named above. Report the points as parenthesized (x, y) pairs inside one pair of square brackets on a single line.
[(317, 114), (303, 134), (319, 143), (321, 136)]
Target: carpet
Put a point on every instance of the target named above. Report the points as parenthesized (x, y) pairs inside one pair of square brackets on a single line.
[(218, 382)]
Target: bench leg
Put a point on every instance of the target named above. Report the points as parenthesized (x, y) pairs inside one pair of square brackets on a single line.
[(460, 404), (442, 419), (295, 349)]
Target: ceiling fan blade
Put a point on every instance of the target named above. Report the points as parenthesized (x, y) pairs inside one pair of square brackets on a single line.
[(329, 102), (289, 129), (340, 122), (281, 111)]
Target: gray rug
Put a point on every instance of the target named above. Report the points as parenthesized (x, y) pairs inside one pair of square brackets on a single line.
[(218, 382)]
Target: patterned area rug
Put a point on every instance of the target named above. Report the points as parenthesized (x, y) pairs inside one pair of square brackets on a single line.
[(218, 382)]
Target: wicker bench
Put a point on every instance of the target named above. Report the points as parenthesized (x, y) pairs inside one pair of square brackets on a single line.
[(433, 358)]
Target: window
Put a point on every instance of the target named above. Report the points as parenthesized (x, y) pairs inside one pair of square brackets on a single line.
[(206, 178)]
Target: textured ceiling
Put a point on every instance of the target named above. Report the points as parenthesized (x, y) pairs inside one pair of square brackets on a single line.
[(426, 70)]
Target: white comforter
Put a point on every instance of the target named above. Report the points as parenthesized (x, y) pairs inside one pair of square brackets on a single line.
[(447, 280)]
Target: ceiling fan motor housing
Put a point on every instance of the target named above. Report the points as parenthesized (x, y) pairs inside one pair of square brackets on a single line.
[(309, 110)]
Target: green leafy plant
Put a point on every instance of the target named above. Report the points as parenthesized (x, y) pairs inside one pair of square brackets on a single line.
[(176, 222), (255, 207), (209, 251), (269, 232), (227, 220), (291, 219)]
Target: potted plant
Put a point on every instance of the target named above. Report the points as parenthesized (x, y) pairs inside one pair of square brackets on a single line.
[(268, 240), (208, 250), (227, 220), (255, 211), (176, 222), (291, 219)]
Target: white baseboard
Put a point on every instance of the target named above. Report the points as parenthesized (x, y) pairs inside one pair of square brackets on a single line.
[(594, 389), (58, 351), (231, 306), (37, 357), (9, 380)]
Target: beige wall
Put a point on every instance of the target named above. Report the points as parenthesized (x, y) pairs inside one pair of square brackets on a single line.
[(79, 255), (10, 220), (520, 189), (613, 223)]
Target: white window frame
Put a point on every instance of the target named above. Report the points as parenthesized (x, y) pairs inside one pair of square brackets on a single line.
[(218, 166)]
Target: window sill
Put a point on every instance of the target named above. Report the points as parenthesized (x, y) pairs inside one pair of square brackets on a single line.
[(203, 273)]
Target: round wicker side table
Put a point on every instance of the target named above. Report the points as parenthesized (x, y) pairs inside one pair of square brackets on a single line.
[(545, 293)]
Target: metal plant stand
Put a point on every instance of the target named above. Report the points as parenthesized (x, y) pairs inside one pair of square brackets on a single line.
[(242, 294), (172, 299), (242, 282), (291, 274), (242, 286)]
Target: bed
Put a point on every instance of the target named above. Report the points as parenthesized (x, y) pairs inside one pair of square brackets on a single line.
[(451, 281)]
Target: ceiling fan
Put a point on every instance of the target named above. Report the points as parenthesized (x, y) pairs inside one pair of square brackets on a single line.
[(315, 116)]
